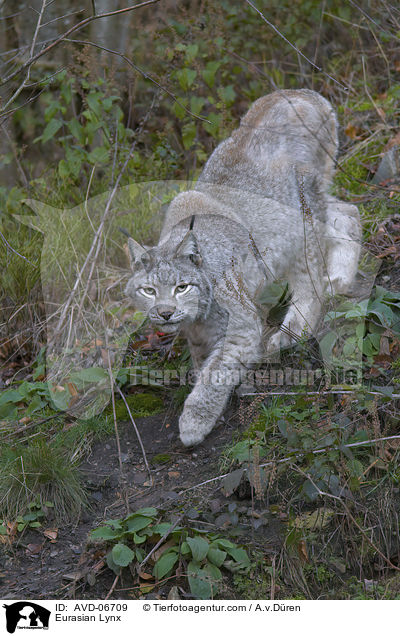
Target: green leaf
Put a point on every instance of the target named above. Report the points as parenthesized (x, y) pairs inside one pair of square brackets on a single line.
[(310, 490), (111, 563), (232, 481), (165, 564), (122, 555), (215, 556), (196, 104), (105, 533), (137, 523), (199, 585), (209, 73), (3, 529), (186, 77), (51, 129), (240, 556), (327, 343), (77, 131), (223, 543), (99, 155), (161, 528), (184, 548), (227, 94), (191, 52), (199, 547), (213, 127), (188, 135), (146, 512), (10, 396), (92, 374), (93, 101)]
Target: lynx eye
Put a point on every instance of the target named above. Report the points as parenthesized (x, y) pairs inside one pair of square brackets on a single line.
[(182, 289), (149, 292)]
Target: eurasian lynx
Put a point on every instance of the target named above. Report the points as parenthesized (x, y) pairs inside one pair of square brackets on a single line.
[(259, 213)]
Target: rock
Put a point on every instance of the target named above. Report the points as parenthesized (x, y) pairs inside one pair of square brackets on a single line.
[(389, 167)]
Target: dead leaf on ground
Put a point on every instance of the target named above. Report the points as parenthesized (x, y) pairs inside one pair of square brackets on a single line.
[(145, 576), (353, 131), (302, 548), (34, 548), (51, 533), (168, 544)]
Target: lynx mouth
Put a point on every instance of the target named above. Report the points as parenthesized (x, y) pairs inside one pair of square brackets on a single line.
[(168, 327)]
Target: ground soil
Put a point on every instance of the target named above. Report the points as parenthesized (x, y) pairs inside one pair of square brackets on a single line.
[(35, 567)]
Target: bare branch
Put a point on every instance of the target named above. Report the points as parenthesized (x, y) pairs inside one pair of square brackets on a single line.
[(75, 27), (318, 68)]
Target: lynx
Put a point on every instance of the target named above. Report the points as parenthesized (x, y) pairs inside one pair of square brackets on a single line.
[(260, 213)]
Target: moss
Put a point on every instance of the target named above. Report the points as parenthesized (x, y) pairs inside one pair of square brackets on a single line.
[(161, 458), (140, 405)]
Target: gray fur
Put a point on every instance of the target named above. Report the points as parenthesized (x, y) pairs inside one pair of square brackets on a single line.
[(262, 213)]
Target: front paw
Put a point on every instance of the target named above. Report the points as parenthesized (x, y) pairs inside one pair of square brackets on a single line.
[(195, 425)]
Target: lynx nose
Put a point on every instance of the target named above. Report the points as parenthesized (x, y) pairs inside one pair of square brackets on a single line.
[(165, 312)]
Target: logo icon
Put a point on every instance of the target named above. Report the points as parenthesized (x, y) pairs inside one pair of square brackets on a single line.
[(26, 615)]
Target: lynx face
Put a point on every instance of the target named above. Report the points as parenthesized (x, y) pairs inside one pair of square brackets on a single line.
[(170, 288)]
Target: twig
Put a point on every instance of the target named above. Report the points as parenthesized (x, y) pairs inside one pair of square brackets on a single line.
[(136, 431), (75, 27), (341, 501), (112, 588), (296, 456), (34, 39), (318, 68), (165, 535), (15, 251)]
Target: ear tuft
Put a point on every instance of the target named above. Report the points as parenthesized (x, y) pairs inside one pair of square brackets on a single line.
[(189, 247), (136, 251)]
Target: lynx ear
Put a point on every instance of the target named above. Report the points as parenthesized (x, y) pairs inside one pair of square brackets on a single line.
[(137, 252), (189, 247)]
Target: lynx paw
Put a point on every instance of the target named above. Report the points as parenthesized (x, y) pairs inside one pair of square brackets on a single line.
[(194, 426)]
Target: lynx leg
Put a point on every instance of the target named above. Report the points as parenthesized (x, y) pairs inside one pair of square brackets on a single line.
[(343, 244), (217, 378)]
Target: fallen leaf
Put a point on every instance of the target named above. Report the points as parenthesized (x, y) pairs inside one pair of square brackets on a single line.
[(145, 588), (72, 389), (173, 594), (302, 548), (33, 548), (146, 576), (51, 533), (352, 131), (168, 544), (173, 474)]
